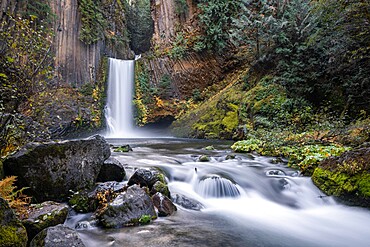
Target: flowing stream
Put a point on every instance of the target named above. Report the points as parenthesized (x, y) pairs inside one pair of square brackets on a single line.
[(245, 201)]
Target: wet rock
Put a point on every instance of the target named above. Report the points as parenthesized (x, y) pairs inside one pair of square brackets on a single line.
[(82, 202), (122, 149), (127, 208), (204, 158), (12, 232), (187, 203), (57, 236), (209, 148), (230, 157), (51, 170), (87, 224), (44, 215), (275, 172), (112, 170), (163, 204), (160, 187), (146, 178)]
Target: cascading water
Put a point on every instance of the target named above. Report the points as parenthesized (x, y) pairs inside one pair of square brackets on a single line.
[(118, 112), (246, 201)]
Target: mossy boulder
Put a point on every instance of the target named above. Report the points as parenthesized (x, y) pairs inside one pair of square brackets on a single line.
[(346, 177), (162, 188), (122, 149), (12, 232), (57, 236), (51, 170), (44, 215), (127, 208), (204, 158)]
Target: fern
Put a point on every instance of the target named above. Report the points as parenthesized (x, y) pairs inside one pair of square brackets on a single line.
[(16, 199)]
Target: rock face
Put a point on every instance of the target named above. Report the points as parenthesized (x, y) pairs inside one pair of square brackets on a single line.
[(112, 170), (44, 215), (57, 236), (12, 232), (346, 177), (51, 170), (163, 204), (128, 208)]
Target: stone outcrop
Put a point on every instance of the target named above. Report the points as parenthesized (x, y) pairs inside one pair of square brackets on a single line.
[(57, 236), (12, 232), (44, 215), (51, 170), (128, 208)]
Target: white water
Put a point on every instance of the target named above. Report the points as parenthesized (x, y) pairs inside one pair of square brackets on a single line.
[(119, 113), (263, 204)]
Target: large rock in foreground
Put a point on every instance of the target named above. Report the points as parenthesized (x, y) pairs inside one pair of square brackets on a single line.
[(346, 177), (128, 208), (57, 236), (12, 232), (52, 169)]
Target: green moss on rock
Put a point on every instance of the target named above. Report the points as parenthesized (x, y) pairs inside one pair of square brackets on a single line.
[(11, 236), (346, 177)]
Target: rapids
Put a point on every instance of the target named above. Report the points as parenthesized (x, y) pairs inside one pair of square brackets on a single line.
[(247, 201)]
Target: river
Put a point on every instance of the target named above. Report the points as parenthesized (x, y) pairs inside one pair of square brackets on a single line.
[(247, 201)]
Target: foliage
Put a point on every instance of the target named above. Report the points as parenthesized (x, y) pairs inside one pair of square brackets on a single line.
[(140, 25), (305, 157), (215, 17), (16, 199), (179, 46), (93, 21), (145, 219), (181, 7)]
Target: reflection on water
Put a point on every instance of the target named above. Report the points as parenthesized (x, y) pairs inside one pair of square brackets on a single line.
[(247, 201)]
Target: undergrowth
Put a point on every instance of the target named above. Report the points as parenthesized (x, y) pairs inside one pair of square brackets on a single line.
[(16, 199)]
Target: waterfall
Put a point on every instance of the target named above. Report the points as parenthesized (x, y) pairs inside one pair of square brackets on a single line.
[(118, 112)]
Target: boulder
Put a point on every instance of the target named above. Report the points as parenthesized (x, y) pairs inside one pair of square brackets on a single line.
[(160, 187), (112, 170), (57, 236), (146, 178), (163, 204), (187, 203), (44, 215), (12, 232), (127, 208), (51, 170)]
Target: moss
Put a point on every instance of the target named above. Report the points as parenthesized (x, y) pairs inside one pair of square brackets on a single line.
[(81, 202), (11, 236), (1, 170), (341, 184), (162, 188)]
